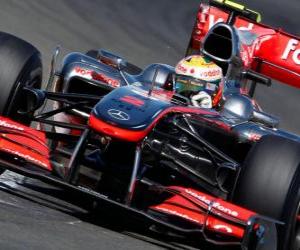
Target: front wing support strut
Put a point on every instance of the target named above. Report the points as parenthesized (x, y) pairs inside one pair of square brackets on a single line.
[(73, 166), (136, 166), (148, 219)]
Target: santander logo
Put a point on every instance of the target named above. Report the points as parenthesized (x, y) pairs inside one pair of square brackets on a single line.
[(292, 51)]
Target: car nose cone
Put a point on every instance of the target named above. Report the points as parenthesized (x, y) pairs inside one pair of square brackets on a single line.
[(118, 114)]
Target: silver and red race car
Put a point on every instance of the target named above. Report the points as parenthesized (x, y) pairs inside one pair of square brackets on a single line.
[(122, 136)]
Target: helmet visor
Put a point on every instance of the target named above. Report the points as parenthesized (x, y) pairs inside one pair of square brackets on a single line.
[(190, 84)]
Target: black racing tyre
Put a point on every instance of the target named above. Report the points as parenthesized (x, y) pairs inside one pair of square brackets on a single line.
[(130, 68), (269, 184), (20, 65)]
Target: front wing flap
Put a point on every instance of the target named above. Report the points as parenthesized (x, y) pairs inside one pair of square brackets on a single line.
[(213, 216), (22, 142)]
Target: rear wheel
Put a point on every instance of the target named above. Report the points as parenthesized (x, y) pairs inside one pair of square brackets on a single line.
[(20, 66), (269, 184)]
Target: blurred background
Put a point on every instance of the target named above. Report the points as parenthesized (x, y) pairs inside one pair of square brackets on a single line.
[(143, 32)]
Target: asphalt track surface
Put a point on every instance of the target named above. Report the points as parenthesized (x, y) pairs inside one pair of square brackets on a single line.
[(36, 216)]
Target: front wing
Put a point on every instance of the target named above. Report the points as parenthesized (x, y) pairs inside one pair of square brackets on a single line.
[(24, 150)]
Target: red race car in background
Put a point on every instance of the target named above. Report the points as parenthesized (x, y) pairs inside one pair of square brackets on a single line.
[(123, 137), (271, 52)]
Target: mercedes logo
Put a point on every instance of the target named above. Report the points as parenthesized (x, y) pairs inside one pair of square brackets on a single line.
[(118, 114)]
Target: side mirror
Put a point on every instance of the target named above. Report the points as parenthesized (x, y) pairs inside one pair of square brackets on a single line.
[(240, 107), (237, 107), (266, 119), (256, 77), (112, 59)]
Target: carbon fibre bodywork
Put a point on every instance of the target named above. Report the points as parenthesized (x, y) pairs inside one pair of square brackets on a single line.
[(136, 140), (122, 136)]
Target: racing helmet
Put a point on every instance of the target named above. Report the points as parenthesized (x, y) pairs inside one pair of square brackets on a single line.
[(197, 73)]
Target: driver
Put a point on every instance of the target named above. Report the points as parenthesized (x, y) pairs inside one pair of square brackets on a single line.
[(199, 79)]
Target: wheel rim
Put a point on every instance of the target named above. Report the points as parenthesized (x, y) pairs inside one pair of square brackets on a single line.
[(20, 100), (26, 80)]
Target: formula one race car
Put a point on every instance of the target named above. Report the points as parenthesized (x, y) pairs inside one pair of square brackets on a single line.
[(122, 136)]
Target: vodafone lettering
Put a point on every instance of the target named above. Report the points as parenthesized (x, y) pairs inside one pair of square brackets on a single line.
[(216, 205), (83, 72), (211, 73), (291, 50), (90, 74), (103, 78)]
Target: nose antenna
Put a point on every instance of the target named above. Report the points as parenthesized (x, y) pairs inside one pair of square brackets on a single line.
[(153, 82), (53, 66)]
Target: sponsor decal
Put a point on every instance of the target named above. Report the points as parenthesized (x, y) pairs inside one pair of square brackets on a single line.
[(223, 228), (118, 114), (9, 125), (93, 75), (133, 100), (211, 86), (26, 157), (247, 52), (176, 213), (291, 50), (181, 69), (213, 21), (211, 73), (82, 72), (103, 78), (216, 205)]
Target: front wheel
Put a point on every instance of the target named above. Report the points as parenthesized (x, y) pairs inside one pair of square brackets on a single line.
[(269, 184), (20, 66)]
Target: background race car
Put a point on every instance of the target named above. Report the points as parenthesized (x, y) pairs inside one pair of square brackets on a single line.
[(185, 171)]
